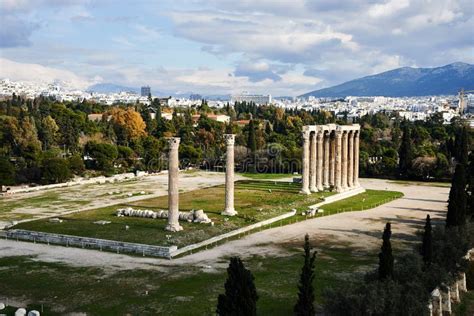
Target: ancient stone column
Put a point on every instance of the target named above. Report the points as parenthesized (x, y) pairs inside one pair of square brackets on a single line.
[(332, 159), (229, 176), (319, 160), (326, 160), (338, 169), (173, 191), (312, 163), (350, 161), (305, 164), (344, 161), (356, 159)]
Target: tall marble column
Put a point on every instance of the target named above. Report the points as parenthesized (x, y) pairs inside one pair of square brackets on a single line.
[(332, 159), (305, 164), (173, 191), (319, 166), (344, 161), (350, 161), (229, 176), (356, 159), (326, 160), (338, 168), (312, 163)]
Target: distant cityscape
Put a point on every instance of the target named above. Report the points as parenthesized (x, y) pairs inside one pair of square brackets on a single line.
[(410, 108)]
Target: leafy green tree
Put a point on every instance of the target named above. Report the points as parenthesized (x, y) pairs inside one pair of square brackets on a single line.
[(427, 245), (305, 304), (457, 203), (385, 255), (240, 297), (76, 164), (103, 154), (7, 172), (55, 170)]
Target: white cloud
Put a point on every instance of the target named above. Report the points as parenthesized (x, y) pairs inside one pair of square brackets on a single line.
[(389, 8), (41, 74)]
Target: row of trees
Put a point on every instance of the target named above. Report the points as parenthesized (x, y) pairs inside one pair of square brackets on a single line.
[(32, 131)]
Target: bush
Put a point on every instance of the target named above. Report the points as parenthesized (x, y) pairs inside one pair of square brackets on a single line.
[(55, 170)]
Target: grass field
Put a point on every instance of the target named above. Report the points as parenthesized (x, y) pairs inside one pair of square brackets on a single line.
[(267, 176), (254, 200), (95, 291)]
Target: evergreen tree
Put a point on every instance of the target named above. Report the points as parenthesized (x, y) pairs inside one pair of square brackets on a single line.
[(252, 140), (405, 154), (470, 186), (240, 296), (305, 304), (461, 144), (457, 203), (427, 246), (385, 255)]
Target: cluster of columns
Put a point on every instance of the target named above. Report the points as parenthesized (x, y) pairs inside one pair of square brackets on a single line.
[(173, 190), (330, 157)]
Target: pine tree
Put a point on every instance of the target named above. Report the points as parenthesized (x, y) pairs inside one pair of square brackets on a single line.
[(385, 255), (240, 296), (457, 203), (427, 246), (405, 153), (305, 304)]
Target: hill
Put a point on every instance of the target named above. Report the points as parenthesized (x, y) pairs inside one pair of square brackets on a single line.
[(406, 81)]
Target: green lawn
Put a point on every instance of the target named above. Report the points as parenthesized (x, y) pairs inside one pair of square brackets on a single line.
[(180, 292), (254, 200), (267, 176)]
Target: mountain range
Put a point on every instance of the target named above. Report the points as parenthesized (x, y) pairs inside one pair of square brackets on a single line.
[(405, 82)]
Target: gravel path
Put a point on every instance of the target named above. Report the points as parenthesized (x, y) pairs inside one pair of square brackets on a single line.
[(358, 229)]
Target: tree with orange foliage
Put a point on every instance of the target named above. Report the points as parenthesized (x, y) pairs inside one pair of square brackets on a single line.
[(128, 124)]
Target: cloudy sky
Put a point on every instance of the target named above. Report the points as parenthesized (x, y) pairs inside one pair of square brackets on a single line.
[(284, 47)]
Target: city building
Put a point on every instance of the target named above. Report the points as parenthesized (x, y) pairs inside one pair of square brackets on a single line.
[(145, 91), (255, 98)]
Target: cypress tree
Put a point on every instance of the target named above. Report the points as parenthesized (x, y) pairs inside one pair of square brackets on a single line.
[(240, 296), (457, 203), (470, 186), (461, 145), (385, 255), (252, 140), (405, 152), (427, 246), (305, 304)]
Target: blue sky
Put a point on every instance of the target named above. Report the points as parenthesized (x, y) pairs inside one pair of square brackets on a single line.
[(285, 47)]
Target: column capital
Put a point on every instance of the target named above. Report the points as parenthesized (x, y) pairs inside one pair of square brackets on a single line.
[(305, 135), (173, 142), (229, 139)]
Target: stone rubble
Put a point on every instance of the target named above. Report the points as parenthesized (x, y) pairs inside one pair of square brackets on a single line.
[(193, 216)]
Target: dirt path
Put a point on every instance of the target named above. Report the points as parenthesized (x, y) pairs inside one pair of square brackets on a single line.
[(359, 229)]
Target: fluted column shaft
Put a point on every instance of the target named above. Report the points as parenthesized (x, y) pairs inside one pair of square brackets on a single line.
[(338, 168), (344, 161), (326, 161), (173, 191), (229, 176), (356, 159), (319, 171), (312, 163), (305, 164), (332, 160), (350, 161)]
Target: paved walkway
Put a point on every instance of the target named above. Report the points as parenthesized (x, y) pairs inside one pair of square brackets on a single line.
[(359, 229)]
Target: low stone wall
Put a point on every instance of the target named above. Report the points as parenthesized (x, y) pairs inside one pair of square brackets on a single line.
[(233, 233), (96, 180), (91, 243), (339, 196)]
